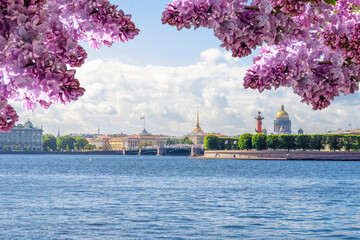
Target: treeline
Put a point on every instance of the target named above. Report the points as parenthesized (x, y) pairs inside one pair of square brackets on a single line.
[(65, 143), (288, 142), (184, 140)]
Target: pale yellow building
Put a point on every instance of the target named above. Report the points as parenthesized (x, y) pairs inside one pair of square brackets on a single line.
[(147, 139), (100, 142), (143, 139), (130, 142), (115, 144)]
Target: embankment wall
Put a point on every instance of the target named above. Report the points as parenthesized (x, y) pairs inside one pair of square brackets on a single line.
[(282, 155)]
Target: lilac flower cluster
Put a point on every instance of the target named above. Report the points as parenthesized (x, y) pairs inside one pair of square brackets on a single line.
[(96, 22), (312, 46), (291, 64), (289, 7), (8, 115), (39, 40), (347, 43)]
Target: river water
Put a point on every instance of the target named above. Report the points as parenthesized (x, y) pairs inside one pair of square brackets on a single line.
[(149, 197)]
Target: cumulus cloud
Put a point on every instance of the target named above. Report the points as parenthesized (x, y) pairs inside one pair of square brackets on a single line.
[(118, 93)]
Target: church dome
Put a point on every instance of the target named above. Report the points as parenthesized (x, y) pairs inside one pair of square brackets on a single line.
[(282, 113), (28, 124)]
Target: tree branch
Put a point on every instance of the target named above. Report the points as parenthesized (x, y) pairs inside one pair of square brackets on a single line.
[(252, 8)]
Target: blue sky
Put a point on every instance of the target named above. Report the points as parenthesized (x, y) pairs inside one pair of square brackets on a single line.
[(158, 43), (165, 74)]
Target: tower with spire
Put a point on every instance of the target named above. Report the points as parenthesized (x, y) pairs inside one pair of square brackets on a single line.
[(197, 129), (197, 135)]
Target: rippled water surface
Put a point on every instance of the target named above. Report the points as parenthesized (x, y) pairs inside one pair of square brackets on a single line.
[(148, 197)]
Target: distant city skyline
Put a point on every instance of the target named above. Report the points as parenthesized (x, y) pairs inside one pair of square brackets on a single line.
[(268, 130), (165, 74)]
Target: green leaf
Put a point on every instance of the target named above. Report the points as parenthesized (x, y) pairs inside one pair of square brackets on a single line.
[(333, 2)]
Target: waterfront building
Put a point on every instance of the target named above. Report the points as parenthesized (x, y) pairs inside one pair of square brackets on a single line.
[(355, 131), (282, 123), (115, 144), (92, 135), (100, 142), (130, 142), (147, 139), (143, 139), (197, 135), (22, 137)]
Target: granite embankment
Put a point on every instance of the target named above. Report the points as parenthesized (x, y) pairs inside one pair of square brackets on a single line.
[(282, 155)]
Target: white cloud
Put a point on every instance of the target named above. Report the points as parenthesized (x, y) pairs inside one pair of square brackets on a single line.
[(119, 93)]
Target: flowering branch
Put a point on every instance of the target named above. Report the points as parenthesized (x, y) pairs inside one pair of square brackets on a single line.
[(292, 35), (39, 41)]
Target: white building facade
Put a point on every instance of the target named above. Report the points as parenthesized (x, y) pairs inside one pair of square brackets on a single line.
[(22, 137)]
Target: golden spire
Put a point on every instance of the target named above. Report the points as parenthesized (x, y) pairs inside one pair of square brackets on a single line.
[(197, 129), (197, 118)]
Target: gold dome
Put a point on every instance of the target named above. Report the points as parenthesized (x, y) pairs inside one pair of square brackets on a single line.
[(197, 130), (282, 113)]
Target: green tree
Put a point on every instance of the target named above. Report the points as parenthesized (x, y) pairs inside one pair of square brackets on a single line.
[(356, 145), (170, 141), (66, 142), (186, 140), (229, 143), (80, 143), (222, 145), (272, 141), (258, 141), (49, 142), (349, 142), (303, 141), (211, 142), (317, 142), (90, 147), (234, 143), (245, 141), (335, 141), (287, 141), (226, 143)]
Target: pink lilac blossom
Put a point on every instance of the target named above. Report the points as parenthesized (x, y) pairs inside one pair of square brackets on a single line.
[(310, 46), (8, 115), (39, 41), (291, 64)]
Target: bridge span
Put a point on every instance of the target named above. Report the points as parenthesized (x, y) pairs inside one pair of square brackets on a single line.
[(165, 151)]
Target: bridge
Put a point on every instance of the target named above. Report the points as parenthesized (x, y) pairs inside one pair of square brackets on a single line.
[(165, 151)]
